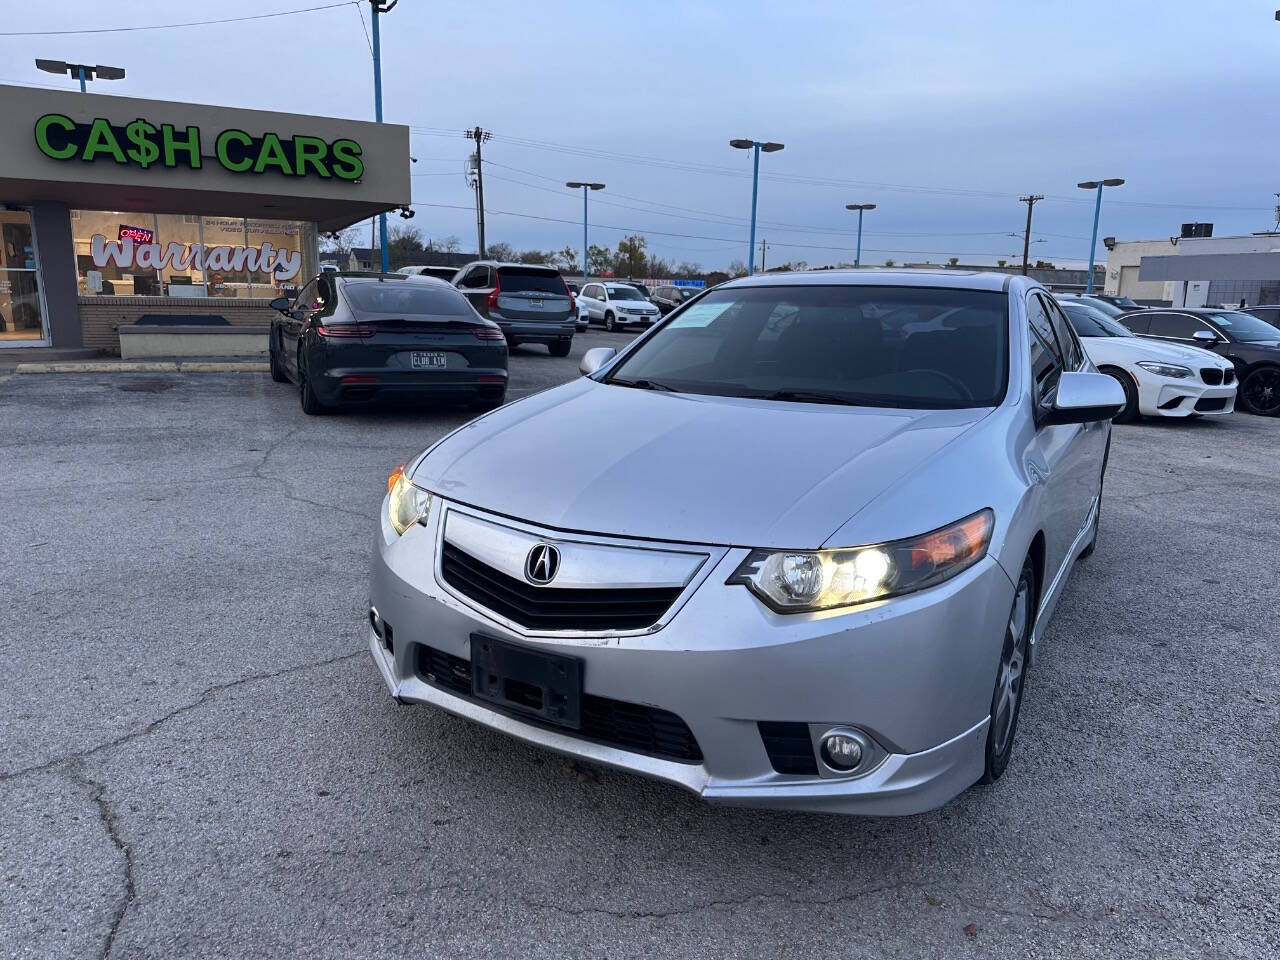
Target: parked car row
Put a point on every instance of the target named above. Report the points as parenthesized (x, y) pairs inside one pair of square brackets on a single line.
[(1183, 361)]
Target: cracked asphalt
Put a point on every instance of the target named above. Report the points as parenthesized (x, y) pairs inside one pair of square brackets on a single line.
[(198, 759)]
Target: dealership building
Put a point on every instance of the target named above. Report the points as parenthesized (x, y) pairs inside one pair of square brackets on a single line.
[(115, 210)]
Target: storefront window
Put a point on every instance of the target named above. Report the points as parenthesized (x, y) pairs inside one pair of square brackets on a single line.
[(184, 255), (21, 308)]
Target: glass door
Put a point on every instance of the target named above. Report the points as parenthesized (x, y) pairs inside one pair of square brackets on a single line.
[(22, 319)]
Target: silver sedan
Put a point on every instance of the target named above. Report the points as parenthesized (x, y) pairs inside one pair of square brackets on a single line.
[(794, 547)]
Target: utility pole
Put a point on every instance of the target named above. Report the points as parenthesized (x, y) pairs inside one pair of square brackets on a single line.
[(379, 7), (764, 245), (479, 136), (1030, 201)]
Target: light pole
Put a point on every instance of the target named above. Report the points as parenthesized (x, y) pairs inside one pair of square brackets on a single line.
[(1097, 209), (768, 146), (860, 207), (586, 188), (82, 71), (380, 6)]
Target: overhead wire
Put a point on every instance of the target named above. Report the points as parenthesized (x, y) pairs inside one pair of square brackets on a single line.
[(172, 26)]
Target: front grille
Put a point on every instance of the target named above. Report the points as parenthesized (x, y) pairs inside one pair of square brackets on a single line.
[(1211, 375), (789, 747), (631, 726), (1229, 376), (553, 608), (1211, 404)]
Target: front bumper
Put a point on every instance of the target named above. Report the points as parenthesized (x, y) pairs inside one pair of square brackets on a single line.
[(915, 674), (1169, 397)]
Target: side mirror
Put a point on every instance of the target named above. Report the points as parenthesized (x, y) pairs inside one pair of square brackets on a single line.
[(281, 304), (1084, 398), (1207, 337), (595, 358)]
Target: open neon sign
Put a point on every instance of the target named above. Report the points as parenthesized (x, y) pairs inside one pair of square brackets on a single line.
[(136, 234)]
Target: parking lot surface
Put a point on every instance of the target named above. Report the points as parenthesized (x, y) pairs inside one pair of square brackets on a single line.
[(199, 760)]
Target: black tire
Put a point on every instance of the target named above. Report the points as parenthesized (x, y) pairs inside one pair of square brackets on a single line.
[(1011, 676), (311, 404), (277, 372), (560, 349), (609, 323), (1129, 412), (1260, 392)]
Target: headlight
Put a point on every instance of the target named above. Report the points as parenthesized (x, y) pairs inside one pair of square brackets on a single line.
[(799, 582), (1166, 369), (406, 504)]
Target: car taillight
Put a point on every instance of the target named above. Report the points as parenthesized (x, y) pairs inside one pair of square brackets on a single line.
[(492, 302), (488, 333), (338, 331)]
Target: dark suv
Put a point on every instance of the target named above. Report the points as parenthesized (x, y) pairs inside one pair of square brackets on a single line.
[(668, 298), (1252, 345), (531, 303)]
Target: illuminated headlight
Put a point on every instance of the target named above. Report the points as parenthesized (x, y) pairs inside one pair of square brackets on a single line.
[(803, 581), (406, 504), (1166, 369)]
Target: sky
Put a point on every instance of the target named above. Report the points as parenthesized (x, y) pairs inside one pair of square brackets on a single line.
[(941, 113)]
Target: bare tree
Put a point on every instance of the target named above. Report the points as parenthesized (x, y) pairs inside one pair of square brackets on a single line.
[(737, 268), (451, 244)]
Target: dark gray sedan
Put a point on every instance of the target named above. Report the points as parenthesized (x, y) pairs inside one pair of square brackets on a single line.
[(356, 338)]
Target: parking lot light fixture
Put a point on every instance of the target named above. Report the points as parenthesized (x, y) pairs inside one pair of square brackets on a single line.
[(755, 146), (586, 188), (82, 71), (1097, 210), (861, 208)]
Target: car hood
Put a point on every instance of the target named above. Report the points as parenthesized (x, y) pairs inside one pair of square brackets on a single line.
[(605, 459), (1133, 349)]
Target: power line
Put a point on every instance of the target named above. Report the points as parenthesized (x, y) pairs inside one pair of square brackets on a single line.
[(171, 26), (367, 40)]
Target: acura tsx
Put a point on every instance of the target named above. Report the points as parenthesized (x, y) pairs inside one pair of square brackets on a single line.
[(794, 547)]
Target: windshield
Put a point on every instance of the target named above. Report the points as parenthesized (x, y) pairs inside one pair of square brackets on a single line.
[(684, 293), (624, 293), (1108, 309), (1127, 302), (1245, 327), (1088, 322), (916, 347), (518, 280), (406, 298)]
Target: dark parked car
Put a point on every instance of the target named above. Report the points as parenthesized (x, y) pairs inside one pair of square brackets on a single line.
[(644, 291), (1124, 303), (1098, 303), (1252, 345), (531, 304), (1271, 314), (668, 298), (358, 337)]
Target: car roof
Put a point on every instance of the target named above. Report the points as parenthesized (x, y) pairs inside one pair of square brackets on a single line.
[(940, 279), (509, 263)]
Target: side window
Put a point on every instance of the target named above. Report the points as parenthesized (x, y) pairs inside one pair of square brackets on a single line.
[(1137, 322), (1046, 356), (477, 278), (1176, 326), (593, 291), (1073, 353)]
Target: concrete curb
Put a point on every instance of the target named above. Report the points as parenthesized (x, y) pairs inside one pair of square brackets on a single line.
[(145, 366)]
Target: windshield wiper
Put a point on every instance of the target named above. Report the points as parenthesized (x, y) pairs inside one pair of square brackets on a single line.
[(815, 396), (642, 384)]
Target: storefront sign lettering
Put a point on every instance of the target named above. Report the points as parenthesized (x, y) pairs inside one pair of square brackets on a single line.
[(144, 144), (125, 253), (136, 234)]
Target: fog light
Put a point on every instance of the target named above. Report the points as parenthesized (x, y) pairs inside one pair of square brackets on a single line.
[(841, 752)]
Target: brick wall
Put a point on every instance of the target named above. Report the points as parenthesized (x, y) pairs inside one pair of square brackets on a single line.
[(101, 316)]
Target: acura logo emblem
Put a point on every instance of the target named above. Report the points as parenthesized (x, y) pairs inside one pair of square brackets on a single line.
[(542, 564)]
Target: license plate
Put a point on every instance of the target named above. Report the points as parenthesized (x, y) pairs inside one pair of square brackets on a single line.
[(535, 304), (420, 360), (543, 685)]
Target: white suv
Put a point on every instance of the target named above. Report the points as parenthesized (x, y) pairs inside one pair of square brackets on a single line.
[(617, 304)]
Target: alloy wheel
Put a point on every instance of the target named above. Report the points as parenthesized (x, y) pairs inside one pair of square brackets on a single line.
[(1013, 659), (1261, 391)]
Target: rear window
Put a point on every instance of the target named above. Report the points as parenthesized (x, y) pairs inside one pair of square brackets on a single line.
[(406, 298), (526, 280), (832, 344)]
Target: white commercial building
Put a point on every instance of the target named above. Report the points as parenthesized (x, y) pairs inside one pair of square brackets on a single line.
[(1222, 285)]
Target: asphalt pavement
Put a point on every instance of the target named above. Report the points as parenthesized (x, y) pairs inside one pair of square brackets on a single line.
[(198, 759)]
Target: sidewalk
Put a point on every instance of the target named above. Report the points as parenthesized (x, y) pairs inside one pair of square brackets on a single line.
[(110, 365)]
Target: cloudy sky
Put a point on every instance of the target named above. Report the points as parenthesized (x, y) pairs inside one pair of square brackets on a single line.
[(942, 113)]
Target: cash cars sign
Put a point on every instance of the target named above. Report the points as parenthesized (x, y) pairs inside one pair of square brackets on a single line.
[(144, 144)]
